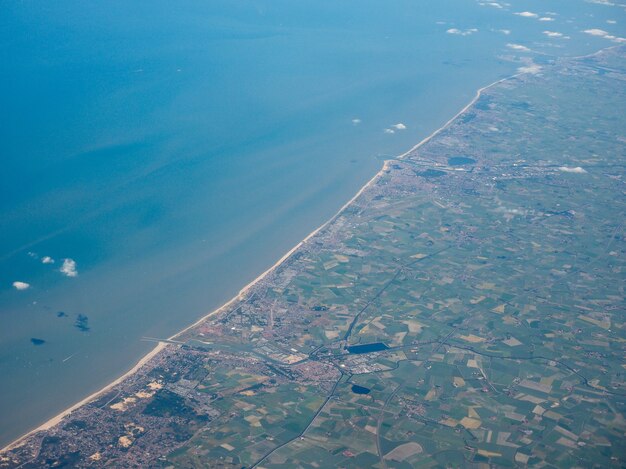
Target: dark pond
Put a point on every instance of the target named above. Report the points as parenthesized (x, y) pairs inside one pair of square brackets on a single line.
[(367, 348), (356, 389)]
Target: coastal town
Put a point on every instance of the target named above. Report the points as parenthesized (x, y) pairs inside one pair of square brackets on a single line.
[(465, 310)]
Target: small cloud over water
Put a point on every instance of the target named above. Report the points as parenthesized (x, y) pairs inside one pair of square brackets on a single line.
[(47, 260), (555, 34), (21, 285), (527, 14), (518, 47), (575, 170), (491, 4), (462, 32), (392, 129), (69, 268), (604, 34)]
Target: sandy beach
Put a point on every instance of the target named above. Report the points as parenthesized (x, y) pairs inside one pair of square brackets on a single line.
[(457, 115), (58, 418)]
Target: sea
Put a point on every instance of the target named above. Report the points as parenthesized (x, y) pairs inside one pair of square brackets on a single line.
[(158, 156)]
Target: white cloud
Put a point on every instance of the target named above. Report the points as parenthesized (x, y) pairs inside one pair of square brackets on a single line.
[(530, 68), (527, 14), (459, 32), (504, 31), (576, 170), (47, 260), (399, 126), (555, 34), (491, 4), (611, 22), (546, 18), (21, 285), (596, 32), (602, 2), (390, 131), (518, 47), (69, 268), (356, 121), (604, 34)]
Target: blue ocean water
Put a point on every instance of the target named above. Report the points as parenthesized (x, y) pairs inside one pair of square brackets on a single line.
[(175, 151)]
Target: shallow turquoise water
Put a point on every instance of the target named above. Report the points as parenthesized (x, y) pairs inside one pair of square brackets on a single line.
[(176, 152)]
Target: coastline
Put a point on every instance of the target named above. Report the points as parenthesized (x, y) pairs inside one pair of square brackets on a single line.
[(162, 345), (479, 93), (59, 417), (458, 114)]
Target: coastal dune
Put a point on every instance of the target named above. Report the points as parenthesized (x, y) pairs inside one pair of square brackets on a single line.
[(58, 418)]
